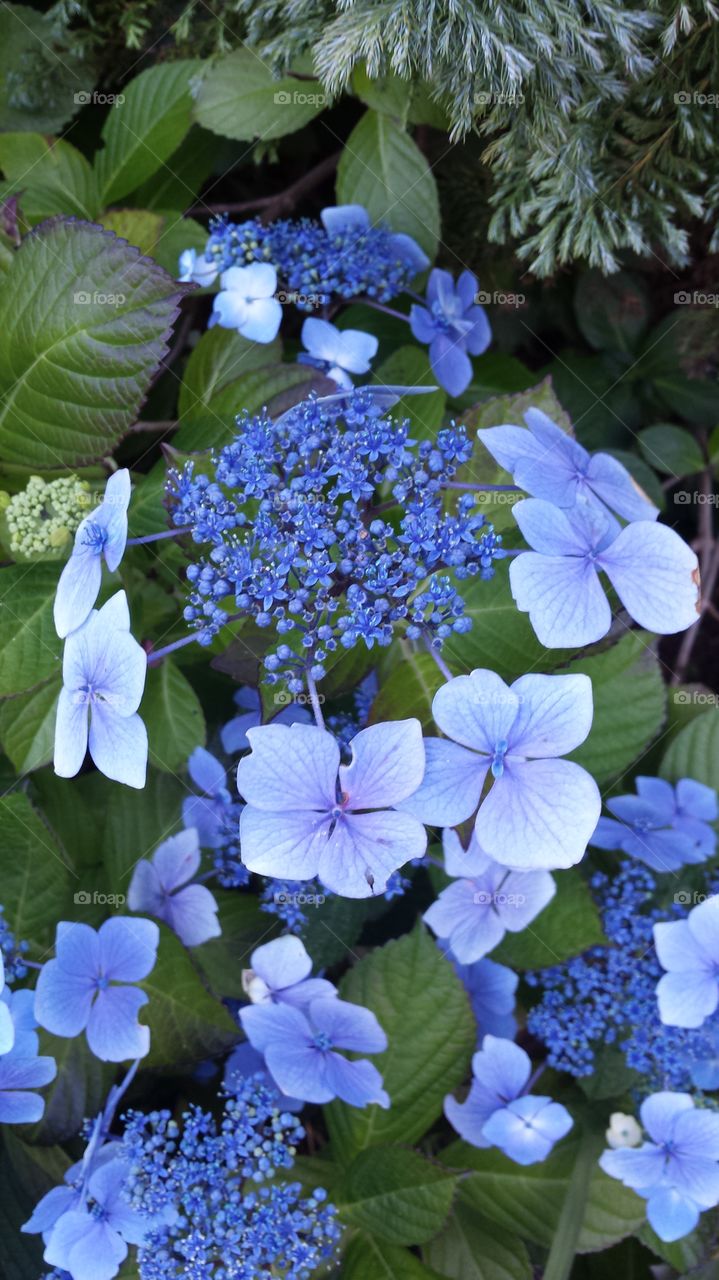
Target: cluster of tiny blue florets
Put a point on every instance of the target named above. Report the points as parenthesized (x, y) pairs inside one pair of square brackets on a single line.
[(13, 952), (329, 526), (608, 995), (314, 264), (213, 1226)]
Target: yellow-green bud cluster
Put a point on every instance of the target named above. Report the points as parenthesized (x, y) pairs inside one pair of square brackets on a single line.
[(42, 519)]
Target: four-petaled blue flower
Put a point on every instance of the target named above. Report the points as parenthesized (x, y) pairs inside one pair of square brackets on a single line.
[(90, 1241), (308, 815), (487, 900), (103, 534), (498, 1112), (491, 988), (85, 986), (663, 826), (103, 675), (195, 269), (688, 993), (549, 463), (540, 811), (160, 887), (338, 352), (653, 571), (453, 324), (246, 302), (22, 1069), (300, 1049), (279, 973), (677, 1173)]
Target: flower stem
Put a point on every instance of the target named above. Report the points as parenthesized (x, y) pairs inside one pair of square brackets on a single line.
[(566, 1237), (158, 654), (438, 659), (379, 306), (315, 700), (155, 537), (482, 488)]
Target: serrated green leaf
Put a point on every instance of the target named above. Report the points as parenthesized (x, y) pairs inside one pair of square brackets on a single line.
[(141, 132), (408, 101), (238, 97), (421, 1005), (28, 640), (366, 1257), (37, 879), (469, 1248), (671, 450), (177, 234), (86, 319), (568, 925), (141, 227), (629, 706), (408, 691), (174, 718), (49, 175), (383, 169), (528, 1199), (27, 726), (395, 1194), (186, 1022), (181, 177), (694, 752)]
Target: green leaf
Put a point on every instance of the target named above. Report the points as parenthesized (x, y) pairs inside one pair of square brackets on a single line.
[(529, 1199), (27, 726), (383, 169), (186, 1022), (36, 877), (409, 366), (31, 651), (421, 1005), (408, 101), (408, 691), (26, 1174), (238, 97), (40, 73), (694, 753), (694, 399), (501, 637), (141, 227), (49, 175), (629, 706), (244, 927), (173, 714), (76, 810), (86, 319), (136, 821), (671, 450), (568, 925), (334, 924), (181, 177), (472, 1249), (221, 358), (177, 234), (141, 132), (612, 311), (395, 1194), (366, 1257), (214, 424), (79, 1089)]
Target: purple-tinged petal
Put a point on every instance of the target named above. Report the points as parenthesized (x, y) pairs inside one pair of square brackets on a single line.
[(540, 814), (233, 735), (422, 323), (477, 710), (63, 999), (290, 767), (463, 915), (365, 848), (450, 363), (502, 1068), (85, 1246), (458, 861), (656, 576), (282, 962), (192, 914), (387, 764), (285, 845), (694, 799), (678, 948), (613, 484), (177, 860), (348, 1026), (469, 1117), (274, 1024), (452, 784), (563, 596), (128, 948), (206, 771), (357, 1083), (555, 714), (145, 892), (480, 335)]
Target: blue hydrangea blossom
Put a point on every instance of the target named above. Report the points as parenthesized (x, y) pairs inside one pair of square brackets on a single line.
[(337, 352), (306, 814), (90, 1241), (300, 1047), (233, 735), (454, 326), (499, 1112), (101, 535), (103, 674), (550, 464), (195, 269), (246, 302), (22, 1068), (208, 813), (280, 973), (86, 987), (485, 901), (491, 988), (653, 571), (677, 1172), (160, 886), (688, 993), (540, 811), (663, 826)]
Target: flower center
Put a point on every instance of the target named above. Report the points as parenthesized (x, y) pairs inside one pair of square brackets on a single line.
[(322, 1041), (497, 765), (94, 537), (102, 983)]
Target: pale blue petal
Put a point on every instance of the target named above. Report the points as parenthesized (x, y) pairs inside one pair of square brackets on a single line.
[(477, 710), (282, 962), (459, 861), (549, 530), (322, 339), (118, 745), (554, 716), (145, 892), (285, 845), (357, 1083), (687, 999), (71, 732), (207, 772), (344, 217), (192, 914), (452, 784), (387, 765), (410, 253), (365, 848), (275, 1024), (128, 948), (671, 1214), (563, 596), (463, 915), (469, 1117), (540, 814), (520, 1141), (450, 363), (262, 321), (290, 767), (77, 590), (356, 350), (480, 335), (85, 1246), (656, 576), (177, 859), (677, 948), (7, 1029), (113, 1031), (501, 1068), (695, 799), (233, 735), (422, 323), (348, 1026), (704, 926), (63, 999), (612, 483), (229, 310)]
